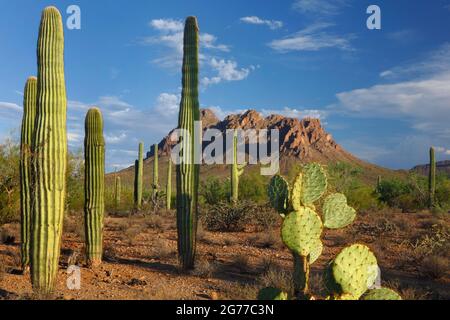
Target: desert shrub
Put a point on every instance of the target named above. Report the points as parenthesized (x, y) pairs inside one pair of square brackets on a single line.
[(344, 177), (75, 181), (9, 182), (253, 186), (264, 217), (213, 191), (363, 198), (434, 267), (228, 217)]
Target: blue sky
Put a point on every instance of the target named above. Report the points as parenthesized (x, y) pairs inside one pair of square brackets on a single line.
[(383, 94)]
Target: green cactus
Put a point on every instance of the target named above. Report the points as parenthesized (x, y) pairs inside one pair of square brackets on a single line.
[(314, 183), (278, 192), (50, 151), (94, 186), (381, 294), (353, 271), (187, 172), (236, 170), (117, 192), (336, 213), (169, 185), (271, 293), (26, 140), (155, 184), (432, 179), (138, 174)]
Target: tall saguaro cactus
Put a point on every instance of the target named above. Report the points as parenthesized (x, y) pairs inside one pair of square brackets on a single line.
[(138, 174), (155, 185), (94, 186), (187, 170), (117, 191), (236, 170), (432, 179), (26, 139), (50, 152), (169, 184)]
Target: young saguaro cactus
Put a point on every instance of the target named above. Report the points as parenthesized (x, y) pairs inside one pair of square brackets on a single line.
[(26, 139), (117, 191), (169, 184), (354, 270), (187, 171), (236, 170), (138, 175), (94, 186), (155, 184), (50, 153), (432, 179)]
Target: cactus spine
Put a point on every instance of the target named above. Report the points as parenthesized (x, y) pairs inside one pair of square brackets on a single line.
[(187, 171), (138, 173), (117, 190), (94, 186), (169, 184), (26, 139), (432, 179), (50, 148), (236, 171), (155, 185)]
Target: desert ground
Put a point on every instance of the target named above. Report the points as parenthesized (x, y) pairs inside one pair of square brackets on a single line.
[(140, 259)]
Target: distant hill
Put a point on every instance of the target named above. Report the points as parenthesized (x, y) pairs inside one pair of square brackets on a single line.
[(441, 167), (301, 141)]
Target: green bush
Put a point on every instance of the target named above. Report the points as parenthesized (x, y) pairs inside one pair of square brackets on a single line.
[(253, 186), (363, 199), (9, 182), (214, 190)]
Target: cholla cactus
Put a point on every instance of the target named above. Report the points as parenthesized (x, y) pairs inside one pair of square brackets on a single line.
[(353, 271)]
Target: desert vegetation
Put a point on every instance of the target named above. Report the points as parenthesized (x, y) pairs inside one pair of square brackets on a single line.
[(332, 230)]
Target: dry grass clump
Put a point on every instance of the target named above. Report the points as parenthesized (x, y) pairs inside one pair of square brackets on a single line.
[(434, 267), (161, 250)]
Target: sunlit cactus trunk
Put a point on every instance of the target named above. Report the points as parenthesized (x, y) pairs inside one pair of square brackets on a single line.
[(117, 191), (187, 171), (155, 184), (50, 153), (26, 140), (432, 179), (94, 186), (138, 174), (169, 184), (236, 171)]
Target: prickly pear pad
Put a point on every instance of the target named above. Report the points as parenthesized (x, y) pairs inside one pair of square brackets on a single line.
[(336, 213), (314, 183), (316, 252), (301, 230), (354, 270), (271, 293), (279, 193), (381, 294), (296, 193)]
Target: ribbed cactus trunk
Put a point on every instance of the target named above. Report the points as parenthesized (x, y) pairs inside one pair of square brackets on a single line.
[(169, 185), (94, 186), (26, 154), (432, 179), (187, 171), (138, 174), (50, 153), (117, 190), (155, 185), (236, 171)]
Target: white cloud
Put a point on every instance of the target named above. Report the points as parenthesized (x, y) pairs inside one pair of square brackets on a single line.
[(272, 24), (312, 38), (297, 113), (319, 7), (167, 25), (10, 110), (226, 70), (115, 138), (168, 104)]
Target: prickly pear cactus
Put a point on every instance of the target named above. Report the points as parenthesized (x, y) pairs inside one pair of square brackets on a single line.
[(279, 193), (271, 293), (336, 213), (301, 230), (353, 271), (316, 252), (381, 294), (296, 193), (314, 183)]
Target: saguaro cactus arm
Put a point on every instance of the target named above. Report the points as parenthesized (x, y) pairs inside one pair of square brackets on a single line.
[(50, 149), (94, 186), (138, 176), (26, 154), (187, 171)]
